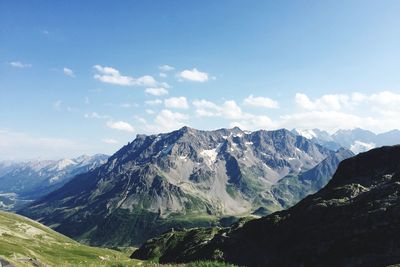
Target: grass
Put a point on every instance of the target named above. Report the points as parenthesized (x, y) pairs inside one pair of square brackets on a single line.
[(23, 240)]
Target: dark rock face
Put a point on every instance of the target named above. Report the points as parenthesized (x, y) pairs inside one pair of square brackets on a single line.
[(184, 178), (353, 221)]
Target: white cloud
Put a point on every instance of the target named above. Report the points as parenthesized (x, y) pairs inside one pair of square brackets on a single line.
[(377, 112), (326, 120), (163, 75), (159, 91), (167, 120), (205, 108), (18, 64), (68, 72), (230, 110), (150, 111), (154, 102), (326, 102), (193, 75), (121, 126), (260, 101), (110, 141), (166, 68), (95, 115), (176, 102), (384, 100), (254, 122), (113, 76)]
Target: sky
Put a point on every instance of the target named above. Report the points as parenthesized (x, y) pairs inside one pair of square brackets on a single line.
[(85, 77)]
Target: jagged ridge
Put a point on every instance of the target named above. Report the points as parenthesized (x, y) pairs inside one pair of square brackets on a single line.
[(353, 221), (184, 178)]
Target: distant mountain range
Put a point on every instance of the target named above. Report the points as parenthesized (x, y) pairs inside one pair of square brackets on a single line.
[(22, 182), (186, 178), (353, 221), (357, 140)]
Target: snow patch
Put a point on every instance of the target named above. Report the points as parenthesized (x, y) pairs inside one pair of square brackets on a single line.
[(359, 147), (62, 164), (210, 155), (309, 134)]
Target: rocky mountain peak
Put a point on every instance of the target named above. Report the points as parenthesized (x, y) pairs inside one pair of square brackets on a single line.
[(224, 172), (353, 221)]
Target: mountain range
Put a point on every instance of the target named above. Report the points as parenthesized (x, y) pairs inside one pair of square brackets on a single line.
[(353, 221), (357, 140), (186, 178), (22, 182)]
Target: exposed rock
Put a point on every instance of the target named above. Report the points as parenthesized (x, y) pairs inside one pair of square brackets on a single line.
[(353, 221), (180, 179)]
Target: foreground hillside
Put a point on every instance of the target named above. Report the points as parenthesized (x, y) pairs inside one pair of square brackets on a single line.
[(24, 242), (353, 221), (183, 179)]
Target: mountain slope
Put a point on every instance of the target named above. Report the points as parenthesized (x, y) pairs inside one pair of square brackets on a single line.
[(320, 137), (24, 242), (353, 221), (293, 188), (23, 182), (184, 178)]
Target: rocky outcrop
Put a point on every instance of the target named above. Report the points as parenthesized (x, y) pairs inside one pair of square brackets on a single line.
[(353, 221)]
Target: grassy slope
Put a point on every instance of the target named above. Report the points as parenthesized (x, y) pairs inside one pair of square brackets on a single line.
[(22, 239)]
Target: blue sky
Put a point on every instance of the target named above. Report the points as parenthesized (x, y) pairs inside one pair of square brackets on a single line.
[(83, 77)]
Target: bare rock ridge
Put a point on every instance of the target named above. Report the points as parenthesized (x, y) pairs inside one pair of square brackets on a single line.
[(182, 179), (353, 221)]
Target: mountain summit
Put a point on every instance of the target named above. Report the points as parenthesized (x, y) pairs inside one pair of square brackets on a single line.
[(184, 178), (353, 221)]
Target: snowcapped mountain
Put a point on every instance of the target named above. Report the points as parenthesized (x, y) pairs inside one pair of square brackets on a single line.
[(320, 137), (28, 180), (357, 140), (185, 178)]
